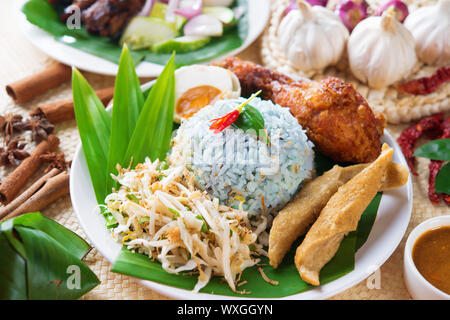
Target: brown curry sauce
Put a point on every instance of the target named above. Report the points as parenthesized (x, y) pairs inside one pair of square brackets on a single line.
[(431, 255)]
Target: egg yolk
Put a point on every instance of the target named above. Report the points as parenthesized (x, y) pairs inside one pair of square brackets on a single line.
[(195, 99)]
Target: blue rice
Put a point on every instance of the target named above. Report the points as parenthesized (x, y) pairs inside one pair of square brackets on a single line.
[(237, 167)]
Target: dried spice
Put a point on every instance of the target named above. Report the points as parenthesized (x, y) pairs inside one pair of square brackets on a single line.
[(40, 128), (56, 160), (434, 167), (10, 124), (14, 153), (430, 126), (426, 85)]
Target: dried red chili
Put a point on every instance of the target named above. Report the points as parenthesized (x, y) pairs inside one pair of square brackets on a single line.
[(431, 126), (434, 167), (426, 85)]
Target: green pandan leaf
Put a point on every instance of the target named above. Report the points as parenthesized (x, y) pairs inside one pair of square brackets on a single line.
[(151, 137), (94, 125), (127, 105)]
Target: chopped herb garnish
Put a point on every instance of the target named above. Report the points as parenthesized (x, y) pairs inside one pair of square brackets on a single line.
[(176, 214), (143, 220), (132, 197), (205, 227)]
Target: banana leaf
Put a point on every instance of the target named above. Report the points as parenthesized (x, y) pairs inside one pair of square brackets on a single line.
[(71, 241), (12, 272), (44, 16), (128, 101), (38, 260)]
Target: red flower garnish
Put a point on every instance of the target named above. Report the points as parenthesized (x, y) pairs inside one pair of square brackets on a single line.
[(220, 124)]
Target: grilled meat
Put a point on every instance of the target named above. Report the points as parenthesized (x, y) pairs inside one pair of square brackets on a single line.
[(337, 118), (107, 18)]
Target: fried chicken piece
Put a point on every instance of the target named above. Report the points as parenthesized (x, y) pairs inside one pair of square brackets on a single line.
[(337, 118)]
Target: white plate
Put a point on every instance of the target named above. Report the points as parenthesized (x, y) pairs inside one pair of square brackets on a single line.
[(259, 11), (390, 225)]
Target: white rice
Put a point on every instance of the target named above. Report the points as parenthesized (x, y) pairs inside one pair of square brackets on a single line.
[(238, 168)]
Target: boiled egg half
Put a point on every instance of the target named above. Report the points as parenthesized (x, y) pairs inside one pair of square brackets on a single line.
[(199, 86)]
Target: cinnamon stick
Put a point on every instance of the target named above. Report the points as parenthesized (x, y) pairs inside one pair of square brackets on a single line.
[(11, 186), (53, 189), (17, 202), (32, 86), (61, 111)]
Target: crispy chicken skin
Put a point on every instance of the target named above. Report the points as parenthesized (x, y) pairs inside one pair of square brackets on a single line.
[(337, 118)]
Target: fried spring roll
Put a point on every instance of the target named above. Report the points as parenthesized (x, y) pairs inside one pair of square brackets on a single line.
[(293, 221), (339, 217)]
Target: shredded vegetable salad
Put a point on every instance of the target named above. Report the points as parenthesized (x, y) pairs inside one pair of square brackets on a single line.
[(157, 211)]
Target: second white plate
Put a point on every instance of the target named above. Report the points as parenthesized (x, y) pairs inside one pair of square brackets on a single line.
[(259, 12)]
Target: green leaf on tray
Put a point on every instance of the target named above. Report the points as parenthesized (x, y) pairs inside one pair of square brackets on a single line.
[(442, 183), (94, 125), (44, 16), (42, 260), (12, 272), (436, 150), (151, 137), (71, 241), (127, 105)]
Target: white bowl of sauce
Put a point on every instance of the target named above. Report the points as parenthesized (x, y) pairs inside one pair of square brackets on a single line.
[(427, 260)]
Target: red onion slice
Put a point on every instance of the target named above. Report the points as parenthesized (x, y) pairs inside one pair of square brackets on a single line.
[(203, 25), (189, 8)]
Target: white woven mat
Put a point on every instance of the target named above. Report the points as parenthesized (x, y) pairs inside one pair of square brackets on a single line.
[(396, 106), (19, 59)]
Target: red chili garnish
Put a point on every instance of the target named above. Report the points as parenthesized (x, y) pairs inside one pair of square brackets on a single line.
[(426, 85), (220, 124), (431, 126), (434, 167)]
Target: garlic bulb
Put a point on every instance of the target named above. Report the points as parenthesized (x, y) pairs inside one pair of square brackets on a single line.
[(381, 51), (430, 27), (312, 38)]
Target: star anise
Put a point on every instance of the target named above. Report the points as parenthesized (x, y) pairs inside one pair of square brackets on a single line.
[(40, 128), (11, 123), (14, 153), (56, 160)]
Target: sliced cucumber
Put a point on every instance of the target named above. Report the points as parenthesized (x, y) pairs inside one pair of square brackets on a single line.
[(224, 14), (143, 32), (181, 44), (159, 11)]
